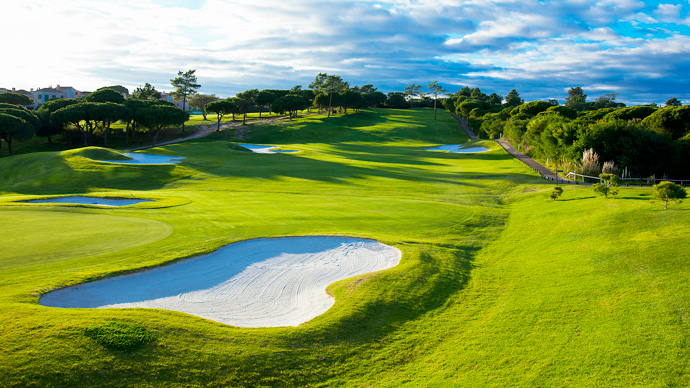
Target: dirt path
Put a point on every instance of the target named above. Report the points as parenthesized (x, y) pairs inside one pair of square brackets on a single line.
[(207, 129), (533, 164)]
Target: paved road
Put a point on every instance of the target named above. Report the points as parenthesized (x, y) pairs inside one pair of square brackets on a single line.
[(533, 164)]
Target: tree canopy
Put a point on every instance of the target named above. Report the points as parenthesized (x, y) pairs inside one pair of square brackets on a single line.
[(671, 120), (668, 191), (220, 108), (265, 98), (576, 99), (118, 88), (156, 117), (107, 113), (673, 102), (15, 99), (105, 95), (607, 184), (531, 108), (638, 112), (290, 103), (79, 116), (328, 85), (396, 100), (199, 101), (14, 127), (435, 89), (412, 91), (185, 85), (513, 98), (147, 92)]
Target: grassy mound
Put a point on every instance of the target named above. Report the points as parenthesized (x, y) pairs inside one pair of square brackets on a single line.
[(97, 153), (78, 171), (119, 335), (237, 147)]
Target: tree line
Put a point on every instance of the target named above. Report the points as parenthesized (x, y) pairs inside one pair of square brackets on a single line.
[(601, 136), (145, 113)]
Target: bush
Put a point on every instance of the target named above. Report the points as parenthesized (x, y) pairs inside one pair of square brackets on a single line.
[(531, 108), (605, 188), (119, 336), (637, 112), (666, 191), (557, 191)]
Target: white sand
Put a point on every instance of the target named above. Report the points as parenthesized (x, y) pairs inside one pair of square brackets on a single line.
[(255, 283), (147, 159), (264, 149), (456, 149), (111, 202)]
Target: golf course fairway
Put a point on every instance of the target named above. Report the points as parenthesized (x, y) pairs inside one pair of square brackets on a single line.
[(497, 285)]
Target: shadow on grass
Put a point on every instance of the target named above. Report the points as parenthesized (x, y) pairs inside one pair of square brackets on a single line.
[(53, 173), (365, 126), (574, 199), (400, 167)]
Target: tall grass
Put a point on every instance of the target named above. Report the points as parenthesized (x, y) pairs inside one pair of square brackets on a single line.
[(590, 163)]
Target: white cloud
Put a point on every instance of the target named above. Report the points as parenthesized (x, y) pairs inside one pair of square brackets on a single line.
[(235, 44), (669, 13)]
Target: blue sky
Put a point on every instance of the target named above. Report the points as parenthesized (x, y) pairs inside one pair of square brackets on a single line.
[(638, 49)]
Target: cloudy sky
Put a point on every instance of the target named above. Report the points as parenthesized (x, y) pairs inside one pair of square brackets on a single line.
[(638, 49)]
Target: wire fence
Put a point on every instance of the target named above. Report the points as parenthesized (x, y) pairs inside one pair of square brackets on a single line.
[(649, 181)]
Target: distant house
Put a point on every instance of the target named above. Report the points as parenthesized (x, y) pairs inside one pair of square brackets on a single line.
[(44, 94), (186, 106), (166, 97), (41, 95), (69, 91), (169, 98)]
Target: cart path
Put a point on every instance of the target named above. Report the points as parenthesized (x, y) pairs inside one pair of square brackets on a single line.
[(463, 125), (207, 129), (533, 164)]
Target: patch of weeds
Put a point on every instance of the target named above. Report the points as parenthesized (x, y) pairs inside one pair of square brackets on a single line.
[(119, 336)]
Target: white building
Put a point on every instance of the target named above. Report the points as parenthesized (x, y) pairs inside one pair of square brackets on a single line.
[(41, 95)]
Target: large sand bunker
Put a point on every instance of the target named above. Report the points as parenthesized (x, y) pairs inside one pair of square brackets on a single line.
[(255, 283)]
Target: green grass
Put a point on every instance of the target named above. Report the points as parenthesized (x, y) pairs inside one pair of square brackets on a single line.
[(497, 286)]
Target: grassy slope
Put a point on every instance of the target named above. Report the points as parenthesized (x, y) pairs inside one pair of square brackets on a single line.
[(497, 286)]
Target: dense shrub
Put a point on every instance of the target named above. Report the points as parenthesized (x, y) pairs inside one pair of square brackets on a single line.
[(672, 120), (562, 111), (531, 108), (642, 151), (638, 112), (119, 336)]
